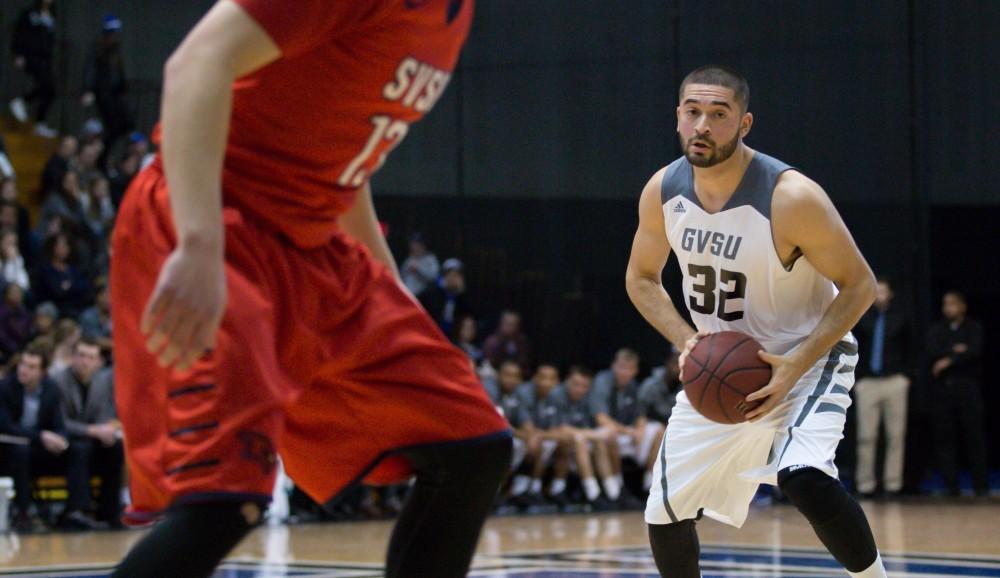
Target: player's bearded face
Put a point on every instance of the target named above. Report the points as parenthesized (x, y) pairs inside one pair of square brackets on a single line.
[(720, 153)]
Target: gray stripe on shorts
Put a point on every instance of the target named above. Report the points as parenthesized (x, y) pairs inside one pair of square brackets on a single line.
[(840, 389), (843, 347), (827, 407), (663, 481)]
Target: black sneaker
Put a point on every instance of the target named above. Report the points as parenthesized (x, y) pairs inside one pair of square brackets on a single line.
[(627, 501), (77, 521), (602, 504)]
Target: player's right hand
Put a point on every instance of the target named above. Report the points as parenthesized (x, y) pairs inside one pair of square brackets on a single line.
[(688, 346), (183, 315)]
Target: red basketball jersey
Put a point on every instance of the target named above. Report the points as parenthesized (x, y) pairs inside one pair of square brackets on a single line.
[(310, 129)]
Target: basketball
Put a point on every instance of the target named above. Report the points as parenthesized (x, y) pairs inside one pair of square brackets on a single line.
[(721, 371)]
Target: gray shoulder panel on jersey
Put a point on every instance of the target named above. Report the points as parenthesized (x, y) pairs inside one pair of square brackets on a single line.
[(758, 184), (677, 181), (754, 190)]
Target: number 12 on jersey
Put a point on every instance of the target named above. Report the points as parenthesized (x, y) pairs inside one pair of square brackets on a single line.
[(730, 285)]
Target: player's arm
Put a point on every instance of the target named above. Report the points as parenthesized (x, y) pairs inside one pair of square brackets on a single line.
[(803, 216), (361, 222), (643, 277), (183, 315)]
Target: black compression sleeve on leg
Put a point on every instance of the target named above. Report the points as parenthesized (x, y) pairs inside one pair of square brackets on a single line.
[(190, 541), (675, 549), (838, 520), (438, 528)]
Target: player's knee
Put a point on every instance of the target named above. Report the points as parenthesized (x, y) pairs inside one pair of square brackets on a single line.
[(818, 496), (675, 548)]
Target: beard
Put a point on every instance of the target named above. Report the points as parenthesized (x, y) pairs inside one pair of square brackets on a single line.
[(719, 153)]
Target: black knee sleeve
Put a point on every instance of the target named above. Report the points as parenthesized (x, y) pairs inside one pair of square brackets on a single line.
[(438, 529), (838, 520), (675, 549), (190, 541)]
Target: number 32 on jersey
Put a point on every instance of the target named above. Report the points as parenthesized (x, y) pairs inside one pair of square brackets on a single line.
[(711, 292)]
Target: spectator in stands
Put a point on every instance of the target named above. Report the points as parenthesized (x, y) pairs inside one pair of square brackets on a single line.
[(33, 43), (955, 345), (15, 322), (508, 342), (421, 267), (12, 266), (64, 202), (59, 280), (658, 393), (60, 163), (614, 401), (98, 208), (590, 446), (88, 166), (466, 338), (95, 322), (95, 446), (105, 84), (882, 391), (31, 410), (550, 444), (445, 299), (63, 342), (46, 316)]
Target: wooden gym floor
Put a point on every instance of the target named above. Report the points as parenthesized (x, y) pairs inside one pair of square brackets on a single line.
[(919, 539)]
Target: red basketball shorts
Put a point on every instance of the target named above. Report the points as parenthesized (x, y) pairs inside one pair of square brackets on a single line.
[(322, 358)]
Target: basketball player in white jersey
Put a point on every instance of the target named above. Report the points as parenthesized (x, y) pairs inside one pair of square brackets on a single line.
[(762, 251)]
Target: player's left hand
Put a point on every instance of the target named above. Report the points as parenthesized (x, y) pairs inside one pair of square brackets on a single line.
[(785, 373)]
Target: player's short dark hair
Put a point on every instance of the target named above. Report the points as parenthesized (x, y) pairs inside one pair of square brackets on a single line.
[(579, 370), (957, 295), (717, 75)]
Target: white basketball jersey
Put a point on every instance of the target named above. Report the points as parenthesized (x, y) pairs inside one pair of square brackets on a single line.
[(733, 277)]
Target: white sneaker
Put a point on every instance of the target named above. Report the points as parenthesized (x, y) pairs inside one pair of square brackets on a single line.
[(19, 109), (43, 130)]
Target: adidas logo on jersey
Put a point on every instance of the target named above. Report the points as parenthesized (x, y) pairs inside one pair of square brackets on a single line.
[(679, 207)]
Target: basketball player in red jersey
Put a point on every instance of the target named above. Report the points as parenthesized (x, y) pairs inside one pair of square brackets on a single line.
[(257, 308)]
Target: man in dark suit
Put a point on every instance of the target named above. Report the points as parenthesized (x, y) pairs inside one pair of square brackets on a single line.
[(955, 345), (95, 445), (882, 390), (31, 417)]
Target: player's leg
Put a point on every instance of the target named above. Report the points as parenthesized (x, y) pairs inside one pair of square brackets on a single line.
[(382, 380), (560, 466), (697, 469), (807, 473), (438, 529), (676, 549), (603, 464), (582, 453), (838, 520), (201, 443), (190, 541)]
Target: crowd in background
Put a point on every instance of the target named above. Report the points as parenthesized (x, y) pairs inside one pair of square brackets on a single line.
[(585, 440)]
